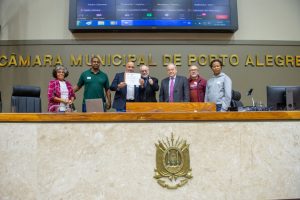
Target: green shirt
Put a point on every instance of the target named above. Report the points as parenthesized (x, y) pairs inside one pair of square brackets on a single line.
[(94, 84)]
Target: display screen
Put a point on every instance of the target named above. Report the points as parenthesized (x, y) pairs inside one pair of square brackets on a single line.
[(279, 99), (184, 15)]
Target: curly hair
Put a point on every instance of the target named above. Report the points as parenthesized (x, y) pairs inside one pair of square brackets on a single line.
[(59, 67), (215, 60)]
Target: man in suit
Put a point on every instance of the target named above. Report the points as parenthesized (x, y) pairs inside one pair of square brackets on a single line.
[(124, 93), (148, 86), (174, 88)]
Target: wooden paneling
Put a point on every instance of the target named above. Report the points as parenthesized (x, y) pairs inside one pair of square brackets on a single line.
[(170, 107), (150, 117)]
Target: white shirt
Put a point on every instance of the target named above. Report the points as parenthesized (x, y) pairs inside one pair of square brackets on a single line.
[(130, 92), (63, 95)]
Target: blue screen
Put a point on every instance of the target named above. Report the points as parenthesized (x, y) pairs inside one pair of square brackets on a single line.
[(156, 13)]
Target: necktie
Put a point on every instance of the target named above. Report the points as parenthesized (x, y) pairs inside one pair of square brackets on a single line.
[(171, 98), (145, 82)]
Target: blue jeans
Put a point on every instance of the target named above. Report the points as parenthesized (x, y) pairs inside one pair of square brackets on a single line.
[(219, 107), (83, 108)]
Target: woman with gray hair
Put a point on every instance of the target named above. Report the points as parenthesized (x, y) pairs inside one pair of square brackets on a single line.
[(60, 91)]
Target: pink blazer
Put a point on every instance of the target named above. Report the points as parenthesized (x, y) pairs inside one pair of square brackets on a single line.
[(54, 91)]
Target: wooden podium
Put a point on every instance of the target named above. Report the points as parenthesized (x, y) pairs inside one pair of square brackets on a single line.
[(187, 107)]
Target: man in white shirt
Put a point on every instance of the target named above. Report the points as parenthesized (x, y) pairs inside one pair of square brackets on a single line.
[(124, 93)]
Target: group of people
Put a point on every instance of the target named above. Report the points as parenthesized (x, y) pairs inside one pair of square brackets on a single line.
[(174, 88)]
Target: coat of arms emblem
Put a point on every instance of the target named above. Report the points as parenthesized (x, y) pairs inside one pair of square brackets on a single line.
[(172, 163)]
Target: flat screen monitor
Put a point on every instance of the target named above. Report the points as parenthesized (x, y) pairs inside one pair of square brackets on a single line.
[(153, 15), (283, 97)]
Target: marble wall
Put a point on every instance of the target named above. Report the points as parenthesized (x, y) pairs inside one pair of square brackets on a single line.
[(95, 161)]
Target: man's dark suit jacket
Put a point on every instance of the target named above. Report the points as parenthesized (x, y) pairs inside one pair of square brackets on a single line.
[(148, 93), (181, 90), (120, 95)]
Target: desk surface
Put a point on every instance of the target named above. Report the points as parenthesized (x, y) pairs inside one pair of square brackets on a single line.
[(149, 117)]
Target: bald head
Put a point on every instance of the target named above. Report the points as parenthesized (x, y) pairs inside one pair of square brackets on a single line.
[(193, 71), (129, 67)]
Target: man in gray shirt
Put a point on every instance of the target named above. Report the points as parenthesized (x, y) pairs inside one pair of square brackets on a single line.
[(219, 87)]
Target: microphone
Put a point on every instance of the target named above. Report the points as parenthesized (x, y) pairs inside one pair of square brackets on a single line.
[(250, 92)]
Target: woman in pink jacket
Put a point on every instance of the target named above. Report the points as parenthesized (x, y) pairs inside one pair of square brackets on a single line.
[(60, 91)]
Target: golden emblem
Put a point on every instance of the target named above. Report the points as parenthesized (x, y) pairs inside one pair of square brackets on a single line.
[(172, 163)]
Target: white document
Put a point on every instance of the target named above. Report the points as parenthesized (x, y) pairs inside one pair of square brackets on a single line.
[(132, 78)]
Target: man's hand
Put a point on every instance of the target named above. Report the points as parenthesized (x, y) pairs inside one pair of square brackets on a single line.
[(121, 85), (150, 81), (142, 82)]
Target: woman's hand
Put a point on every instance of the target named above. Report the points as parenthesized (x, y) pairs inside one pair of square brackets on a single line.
[(70, 101), (67, 101), (108, 105)]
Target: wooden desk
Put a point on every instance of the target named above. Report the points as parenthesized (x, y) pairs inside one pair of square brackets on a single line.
[(76, 155), (150, 116), (170, 107)]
